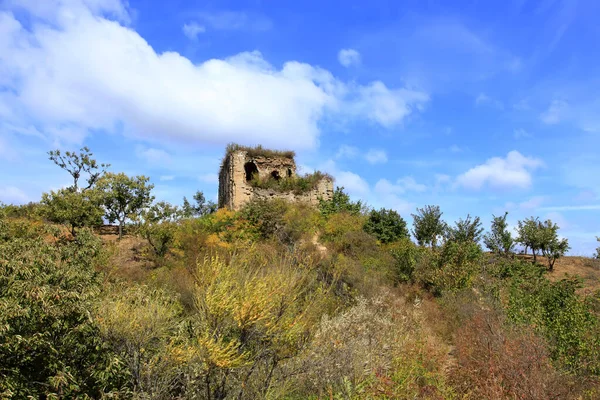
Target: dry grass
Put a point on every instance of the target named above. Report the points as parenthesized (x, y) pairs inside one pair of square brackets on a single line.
[(586, 268), (127, 257), (259, 151)]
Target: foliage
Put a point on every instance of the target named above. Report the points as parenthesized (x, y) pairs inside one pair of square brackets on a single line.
[(406, 254), (78, 164), (158, 226), (200, 208), (386, 225), (259, 151), (142, 325), (76, 209), (499, 240), (376, 349), (250, 318), (598, 250), (124, 197), (340, 202), (452, 267), (30, 210), (556, 311), (466, 230), (428, 225), (543, 237), (49, 346), (294, 184), (551, 246), (529, 235)]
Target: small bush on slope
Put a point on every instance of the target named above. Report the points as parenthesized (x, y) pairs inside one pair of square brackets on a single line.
[(49, 345)]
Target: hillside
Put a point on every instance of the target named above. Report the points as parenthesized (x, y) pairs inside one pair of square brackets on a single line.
[(285, 300)]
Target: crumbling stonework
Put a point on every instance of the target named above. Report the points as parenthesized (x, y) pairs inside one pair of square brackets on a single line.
[(239, 168)]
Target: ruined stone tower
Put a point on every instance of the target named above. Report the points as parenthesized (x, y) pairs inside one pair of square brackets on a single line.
[(248, 173)]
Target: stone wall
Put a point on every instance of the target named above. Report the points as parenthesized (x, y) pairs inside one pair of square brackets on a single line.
[(238, 167)]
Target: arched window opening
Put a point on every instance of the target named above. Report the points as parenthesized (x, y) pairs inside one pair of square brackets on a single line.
[(251, 170), (275, 175), (289, 172)]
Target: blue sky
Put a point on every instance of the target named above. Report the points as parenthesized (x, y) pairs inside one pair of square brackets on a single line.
[(480, 107)]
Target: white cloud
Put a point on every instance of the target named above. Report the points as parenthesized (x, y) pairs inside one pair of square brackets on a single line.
[(346, 151), (13, 195), (166, 178), (387, 107), (402, 185), (512, 171), (376, 156), (153, 156), (353, 183), (193, 29), (531, 204), (235, 20), (455, 149), (521, 134), (56, 83), (556, 112), (482, 98), (349, 57)]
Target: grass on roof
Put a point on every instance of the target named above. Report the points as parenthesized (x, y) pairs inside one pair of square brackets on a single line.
[(257, 151), (295, 184)]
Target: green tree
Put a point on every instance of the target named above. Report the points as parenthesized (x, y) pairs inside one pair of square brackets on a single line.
[(428, 225), (75, 209), (50, 347), (159, 227), (551, 246), (340, 202), (124, 197), (386, 225), (499, 240), (466, 230), (598, 250), (79, 164), (200, 208), (529, 235)]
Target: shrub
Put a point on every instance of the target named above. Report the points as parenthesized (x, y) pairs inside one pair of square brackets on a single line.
[(551, 246), (466, 230), (75, 209), (141, 325), (339, 202), (499, 362), (294, 184), (499, 240), (376, 349), (405, 254), (557, 313), (428, 225), (386, 225), (259, 151), (598, 250), (49, 346), (452, 267), (159, 226), (265, 216), (529, 235)]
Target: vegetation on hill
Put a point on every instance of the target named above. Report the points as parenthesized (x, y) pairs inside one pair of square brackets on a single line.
[(286, 301)]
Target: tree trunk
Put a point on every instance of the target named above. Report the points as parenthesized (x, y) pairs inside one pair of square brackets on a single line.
[(120, 230), (534, 255)]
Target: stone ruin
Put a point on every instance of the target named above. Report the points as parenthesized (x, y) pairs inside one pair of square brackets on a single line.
[(241, 166)]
